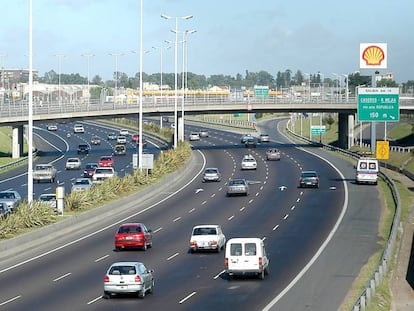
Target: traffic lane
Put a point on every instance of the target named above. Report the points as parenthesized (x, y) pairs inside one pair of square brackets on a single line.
[(332, 273), (162, 243)]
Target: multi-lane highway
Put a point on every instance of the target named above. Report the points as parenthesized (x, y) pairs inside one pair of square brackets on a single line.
[(55, 147), (298, 226)]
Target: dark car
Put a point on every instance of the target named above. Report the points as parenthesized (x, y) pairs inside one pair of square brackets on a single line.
[(250, 142), (132, 235), (89, 169), (83, 148), (4, 210), (309, 179)]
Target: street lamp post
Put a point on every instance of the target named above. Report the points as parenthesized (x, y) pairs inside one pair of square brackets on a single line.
[(309, 85), (88, 56), (116, 72), (175, 69), (337, 85), (161, 48), (346, 88), (184, 75), (59, 56), (3, 56)]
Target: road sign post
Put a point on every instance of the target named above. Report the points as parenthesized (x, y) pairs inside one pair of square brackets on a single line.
[(377, 104)]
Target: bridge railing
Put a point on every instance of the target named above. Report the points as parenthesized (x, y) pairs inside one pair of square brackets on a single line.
[(21, 108)]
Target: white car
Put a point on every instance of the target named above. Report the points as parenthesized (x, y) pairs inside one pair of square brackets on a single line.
[(49, 198), (73, 164), (194, 136), (128, 277), (103, 173), (78, 128), (52, 127), (248, 162), (82, 184), (207, 237), (123, 132), (121, 139)]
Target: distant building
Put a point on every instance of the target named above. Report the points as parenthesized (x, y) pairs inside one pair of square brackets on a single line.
[(10, 77)]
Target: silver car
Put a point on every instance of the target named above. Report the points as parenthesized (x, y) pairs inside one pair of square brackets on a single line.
[(82, 184), (264, 138), (11, 198), (237, 186), (73, 164), (211, 174), (128, 277)]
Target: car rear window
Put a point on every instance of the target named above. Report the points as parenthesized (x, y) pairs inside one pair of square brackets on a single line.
[(250, 249), (131, 229), (236, 249), (118, 270), (205, 231)]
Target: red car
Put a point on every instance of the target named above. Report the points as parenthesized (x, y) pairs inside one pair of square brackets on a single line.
[(135, 138), (106, 161), (133, 235)]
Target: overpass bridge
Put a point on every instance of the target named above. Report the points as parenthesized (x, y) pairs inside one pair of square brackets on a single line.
[(16, 114)]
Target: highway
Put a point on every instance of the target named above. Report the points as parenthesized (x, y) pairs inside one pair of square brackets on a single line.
[(55, 147), (296, 225)]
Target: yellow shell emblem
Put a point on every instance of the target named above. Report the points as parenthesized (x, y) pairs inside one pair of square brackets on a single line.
[(373, 55)]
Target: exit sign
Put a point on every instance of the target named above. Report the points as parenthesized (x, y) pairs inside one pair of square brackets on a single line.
[(380, 104)]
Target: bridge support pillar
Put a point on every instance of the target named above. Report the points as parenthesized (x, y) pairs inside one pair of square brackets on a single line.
[(344, 128), (17, 141), (180, 128), (351, 126)]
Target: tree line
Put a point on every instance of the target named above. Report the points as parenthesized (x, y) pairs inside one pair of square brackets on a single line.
[(282, 81)]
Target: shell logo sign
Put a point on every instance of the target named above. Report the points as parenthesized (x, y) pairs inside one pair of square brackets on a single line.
[(373, 55)]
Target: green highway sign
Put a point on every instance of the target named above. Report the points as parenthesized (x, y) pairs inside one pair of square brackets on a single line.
[(378, 104), (318, 129)]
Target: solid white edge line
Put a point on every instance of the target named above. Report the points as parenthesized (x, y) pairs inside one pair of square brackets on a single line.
[(324, 244)]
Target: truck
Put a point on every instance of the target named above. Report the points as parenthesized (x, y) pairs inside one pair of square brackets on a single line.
[(45, 172)]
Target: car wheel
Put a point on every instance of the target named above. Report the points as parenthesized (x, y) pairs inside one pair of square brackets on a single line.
[(144, 248), (218, 249), (151, 290), (106, 295), (141, 293), (267, 271), (262, 275)]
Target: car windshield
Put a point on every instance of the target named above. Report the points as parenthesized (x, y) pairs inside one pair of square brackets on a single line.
[(91, 166), (6, 195), (106, 159), (129, 229), (205, 231), (41, 167), (82, 182)]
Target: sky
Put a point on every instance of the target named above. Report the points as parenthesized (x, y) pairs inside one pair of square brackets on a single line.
[(232, 36)]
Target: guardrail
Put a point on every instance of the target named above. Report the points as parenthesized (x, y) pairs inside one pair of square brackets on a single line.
[(364, 300)]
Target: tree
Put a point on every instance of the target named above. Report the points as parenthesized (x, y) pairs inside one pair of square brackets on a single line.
[(97, 80), (387, 83)]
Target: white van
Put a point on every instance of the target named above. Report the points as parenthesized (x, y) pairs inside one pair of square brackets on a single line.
[(367, 170), (246, 256)]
